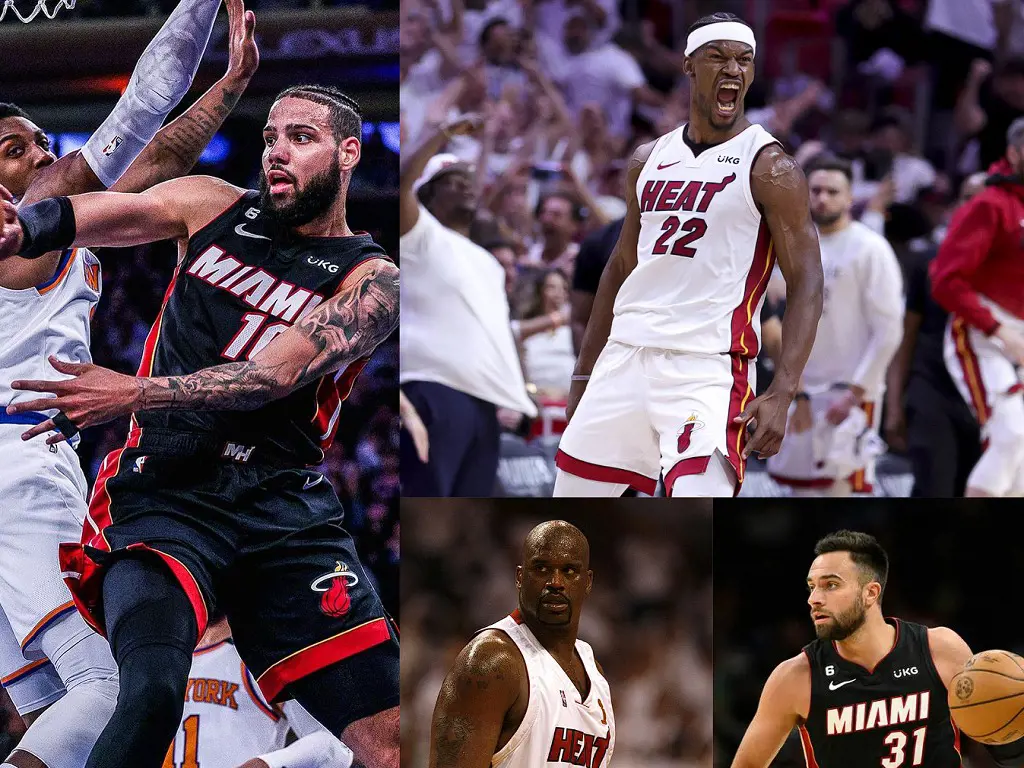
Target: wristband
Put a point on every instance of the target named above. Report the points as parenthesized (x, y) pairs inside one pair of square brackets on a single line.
[(46, 226), (580, 377)]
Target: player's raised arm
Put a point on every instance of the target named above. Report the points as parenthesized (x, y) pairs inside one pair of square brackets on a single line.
[(178, 145), (174, 209), (780, 190), (160, 81), (486, 681), (785, 701), (622, 261)]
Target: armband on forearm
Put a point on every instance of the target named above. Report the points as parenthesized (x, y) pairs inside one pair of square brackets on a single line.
[(48, 225)]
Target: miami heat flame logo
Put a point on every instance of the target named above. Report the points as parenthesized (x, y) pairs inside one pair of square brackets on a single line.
[(334, 585)]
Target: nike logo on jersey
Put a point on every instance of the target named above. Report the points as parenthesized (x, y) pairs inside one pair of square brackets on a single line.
[(240, 230), (663, 166), (311, 481), (833, 686)]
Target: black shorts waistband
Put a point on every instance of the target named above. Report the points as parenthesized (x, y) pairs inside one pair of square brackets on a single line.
[(212, 447)]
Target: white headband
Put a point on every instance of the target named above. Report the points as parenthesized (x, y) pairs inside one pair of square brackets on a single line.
[(720, 30)]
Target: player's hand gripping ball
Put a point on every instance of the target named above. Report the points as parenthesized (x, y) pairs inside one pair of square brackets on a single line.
[(986, 699)]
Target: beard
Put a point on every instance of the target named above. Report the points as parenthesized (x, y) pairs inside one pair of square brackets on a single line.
[(309, 202), (843, 624), (826, 219)]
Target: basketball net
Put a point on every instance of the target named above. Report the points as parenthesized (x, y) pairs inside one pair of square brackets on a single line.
[(40, 8)]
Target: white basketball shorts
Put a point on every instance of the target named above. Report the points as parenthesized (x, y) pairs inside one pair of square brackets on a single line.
[(44, 503), (652, 411)]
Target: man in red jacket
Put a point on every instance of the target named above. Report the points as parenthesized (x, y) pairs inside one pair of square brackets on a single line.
[(978, 276)]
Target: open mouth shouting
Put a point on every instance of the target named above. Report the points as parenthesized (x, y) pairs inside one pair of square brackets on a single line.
[(727, 98)]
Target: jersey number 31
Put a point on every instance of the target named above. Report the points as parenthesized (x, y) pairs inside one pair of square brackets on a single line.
[(694, 230), (897, 742)]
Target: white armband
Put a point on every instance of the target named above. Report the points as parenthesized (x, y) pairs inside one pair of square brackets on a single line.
[(160, 81), (319, 750)]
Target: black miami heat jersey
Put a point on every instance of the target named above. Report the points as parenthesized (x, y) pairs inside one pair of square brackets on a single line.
[(895, 715), (239, 286)]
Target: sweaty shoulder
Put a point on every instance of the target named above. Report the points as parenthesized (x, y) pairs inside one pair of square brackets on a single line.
[(789, 686), (775, 177), (492, 657), (949, 652)]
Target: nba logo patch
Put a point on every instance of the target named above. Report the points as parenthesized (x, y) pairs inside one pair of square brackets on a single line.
[(139, 462), (111, 148), (565, 702)]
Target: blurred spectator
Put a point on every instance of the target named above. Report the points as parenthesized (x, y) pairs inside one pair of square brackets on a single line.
[(548, 357), (990, 101), (910, 173), (590, 263), (559, 216)]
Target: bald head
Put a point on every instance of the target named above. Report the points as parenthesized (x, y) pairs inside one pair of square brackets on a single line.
[(554, 577), (557, 535)]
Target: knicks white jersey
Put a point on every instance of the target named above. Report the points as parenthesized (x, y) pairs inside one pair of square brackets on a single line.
[(559, 729), (862, 313), (704, 254), (226, 720), (48, 319)]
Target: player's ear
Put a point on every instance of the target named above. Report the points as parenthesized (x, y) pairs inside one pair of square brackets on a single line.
[(688, 66), (590, 581), (519, 576), (873, 592), (349, 152)]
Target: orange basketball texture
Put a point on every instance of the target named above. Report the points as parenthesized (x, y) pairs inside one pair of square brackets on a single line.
[(986, 699)]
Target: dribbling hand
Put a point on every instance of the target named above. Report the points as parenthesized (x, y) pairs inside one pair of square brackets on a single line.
[(11, 234)]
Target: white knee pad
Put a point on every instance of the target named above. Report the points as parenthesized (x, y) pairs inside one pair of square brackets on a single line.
[(999, 468), (717, 481), (65, 734), (161, 79), (573, 486)]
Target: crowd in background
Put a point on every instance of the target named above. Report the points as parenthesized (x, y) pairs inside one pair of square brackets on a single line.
[(761, 611), (648, 617), (918, 94)]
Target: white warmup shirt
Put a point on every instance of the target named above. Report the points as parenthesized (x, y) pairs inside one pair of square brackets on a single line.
[(862, 318), (456, 329)]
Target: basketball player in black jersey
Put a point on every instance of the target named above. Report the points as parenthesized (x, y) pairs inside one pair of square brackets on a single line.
[(274, 308), (870, 690)]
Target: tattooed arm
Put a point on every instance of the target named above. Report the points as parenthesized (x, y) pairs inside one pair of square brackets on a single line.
[(349, 326), (178, 145), (340, 331), (481, 703)]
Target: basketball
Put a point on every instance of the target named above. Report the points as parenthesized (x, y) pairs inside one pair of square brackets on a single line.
[(986, 699)]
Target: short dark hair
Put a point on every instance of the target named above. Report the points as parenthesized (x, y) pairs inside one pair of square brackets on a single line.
[(863, 548), (12, 110), (490, 26), (715, 18), (346, 116), (579, 211), (829, 162)]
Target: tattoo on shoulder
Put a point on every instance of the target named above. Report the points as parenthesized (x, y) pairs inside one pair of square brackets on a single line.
[(354, 322)]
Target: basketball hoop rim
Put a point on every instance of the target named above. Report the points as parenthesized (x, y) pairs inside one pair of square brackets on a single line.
[(40, 8)]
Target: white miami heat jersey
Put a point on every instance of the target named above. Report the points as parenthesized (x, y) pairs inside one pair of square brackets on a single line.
[(704, 254), (559, 728), (48, 319), (226, 720)]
